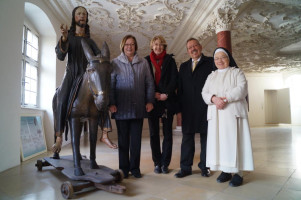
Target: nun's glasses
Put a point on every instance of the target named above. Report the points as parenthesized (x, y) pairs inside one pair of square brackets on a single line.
[(221, 58)]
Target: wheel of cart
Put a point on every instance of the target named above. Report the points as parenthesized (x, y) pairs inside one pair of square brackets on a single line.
[(40, 164), (67, 190)]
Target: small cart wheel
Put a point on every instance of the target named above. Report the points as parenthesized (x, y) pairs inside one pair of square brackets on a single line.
[(39, 165), (67, 190), (119, 175)]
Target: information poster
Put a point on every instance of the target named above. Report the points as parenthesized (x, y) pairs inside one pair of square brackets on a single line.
[(32, 137)]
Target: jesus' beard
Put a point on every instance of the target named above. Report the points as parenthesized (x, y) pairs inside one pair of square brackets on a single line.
[(82, 25)]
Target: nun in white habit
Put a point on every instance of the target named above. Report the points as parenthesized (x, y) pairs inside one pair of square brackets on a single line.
[(229, 147)]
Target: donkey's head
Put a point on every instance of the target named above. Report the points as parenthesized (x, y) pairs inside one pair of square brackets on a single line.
[(98, 72)]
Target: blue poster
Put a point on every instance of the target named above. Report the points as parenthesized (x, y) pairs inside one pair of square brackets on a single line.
[(32, 136)]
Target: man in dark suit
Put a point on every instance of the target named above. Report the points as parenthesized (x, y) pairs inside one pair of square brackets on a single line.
[(192, 76)]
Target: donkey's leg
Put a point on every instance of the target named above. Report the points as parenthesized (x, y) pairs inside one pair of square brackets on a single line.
[(76, 127), (93, 127)]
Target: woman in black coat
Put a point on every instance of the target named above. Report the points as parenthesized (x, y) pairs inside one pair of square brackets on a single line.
[(164, 70)]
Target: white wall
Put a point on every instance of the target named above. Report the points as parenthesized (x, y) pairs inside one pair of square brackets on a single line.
[(11, 23), (284, 109), (257, 83), (277, 106), (47, 85), (293, 81), (271, 114)]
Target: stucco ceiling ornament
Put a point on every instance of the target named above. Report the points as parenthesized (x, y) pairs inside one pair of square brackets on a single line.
[(168, 18), (150, 17), (222, 18), (265, 33), (131, 14), (97, 14), (130, 18), (271, 25)]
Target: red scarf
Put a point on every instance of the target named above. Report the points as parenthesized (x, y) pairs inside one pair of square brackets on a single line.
[(157, 61)]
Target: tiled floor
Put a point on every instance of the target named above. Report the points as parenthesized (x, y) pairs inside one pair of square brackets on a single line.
[(277, 174)]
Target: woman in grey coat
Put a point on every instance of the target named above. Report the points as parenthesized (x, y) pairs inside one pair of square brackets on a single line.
[(131, 97)]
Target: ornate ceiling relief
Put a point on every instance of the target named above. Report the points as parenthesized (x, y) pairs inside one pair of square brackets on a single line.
[(153, 17), (257, 33), (130, 16), (169, 18), (265, 34), (222, 19), (260, 31), (225, 15), (99, 15), (111, 20)]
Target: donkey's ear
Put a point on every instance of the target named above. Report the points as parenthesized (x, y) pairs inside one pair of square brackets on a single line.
[(88, 51), (105, 52)]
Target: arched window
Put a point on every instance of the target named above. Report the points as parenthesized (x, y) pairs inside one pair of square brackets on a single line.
[(39, 61)]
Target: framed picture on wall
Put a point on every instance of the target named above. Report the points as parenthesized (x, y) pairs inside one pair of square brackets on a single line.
[(32, 136)]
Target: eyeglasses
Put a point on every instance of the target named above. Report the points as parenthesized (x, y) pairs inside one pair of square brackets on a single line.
[(193, 46), (221, 58), (127, 45)]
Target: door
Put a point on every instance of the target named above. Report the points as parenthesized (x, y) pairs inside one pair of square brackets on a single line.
[(277, 106)]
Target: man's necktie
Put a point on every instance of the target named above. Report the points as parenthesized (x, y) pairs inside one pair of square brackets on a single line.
[(195, 62)]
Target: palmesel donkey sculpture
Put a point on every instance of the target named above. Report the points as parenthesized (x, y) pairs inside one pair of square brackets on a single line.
[(89, 102)]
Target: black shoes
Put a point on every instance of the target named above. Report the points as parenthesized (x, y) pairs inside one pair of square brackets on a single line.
[(223, 177), (157, 169), (236, 181), (182, 174), (205, 172), (137, 175), (165, 169)]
